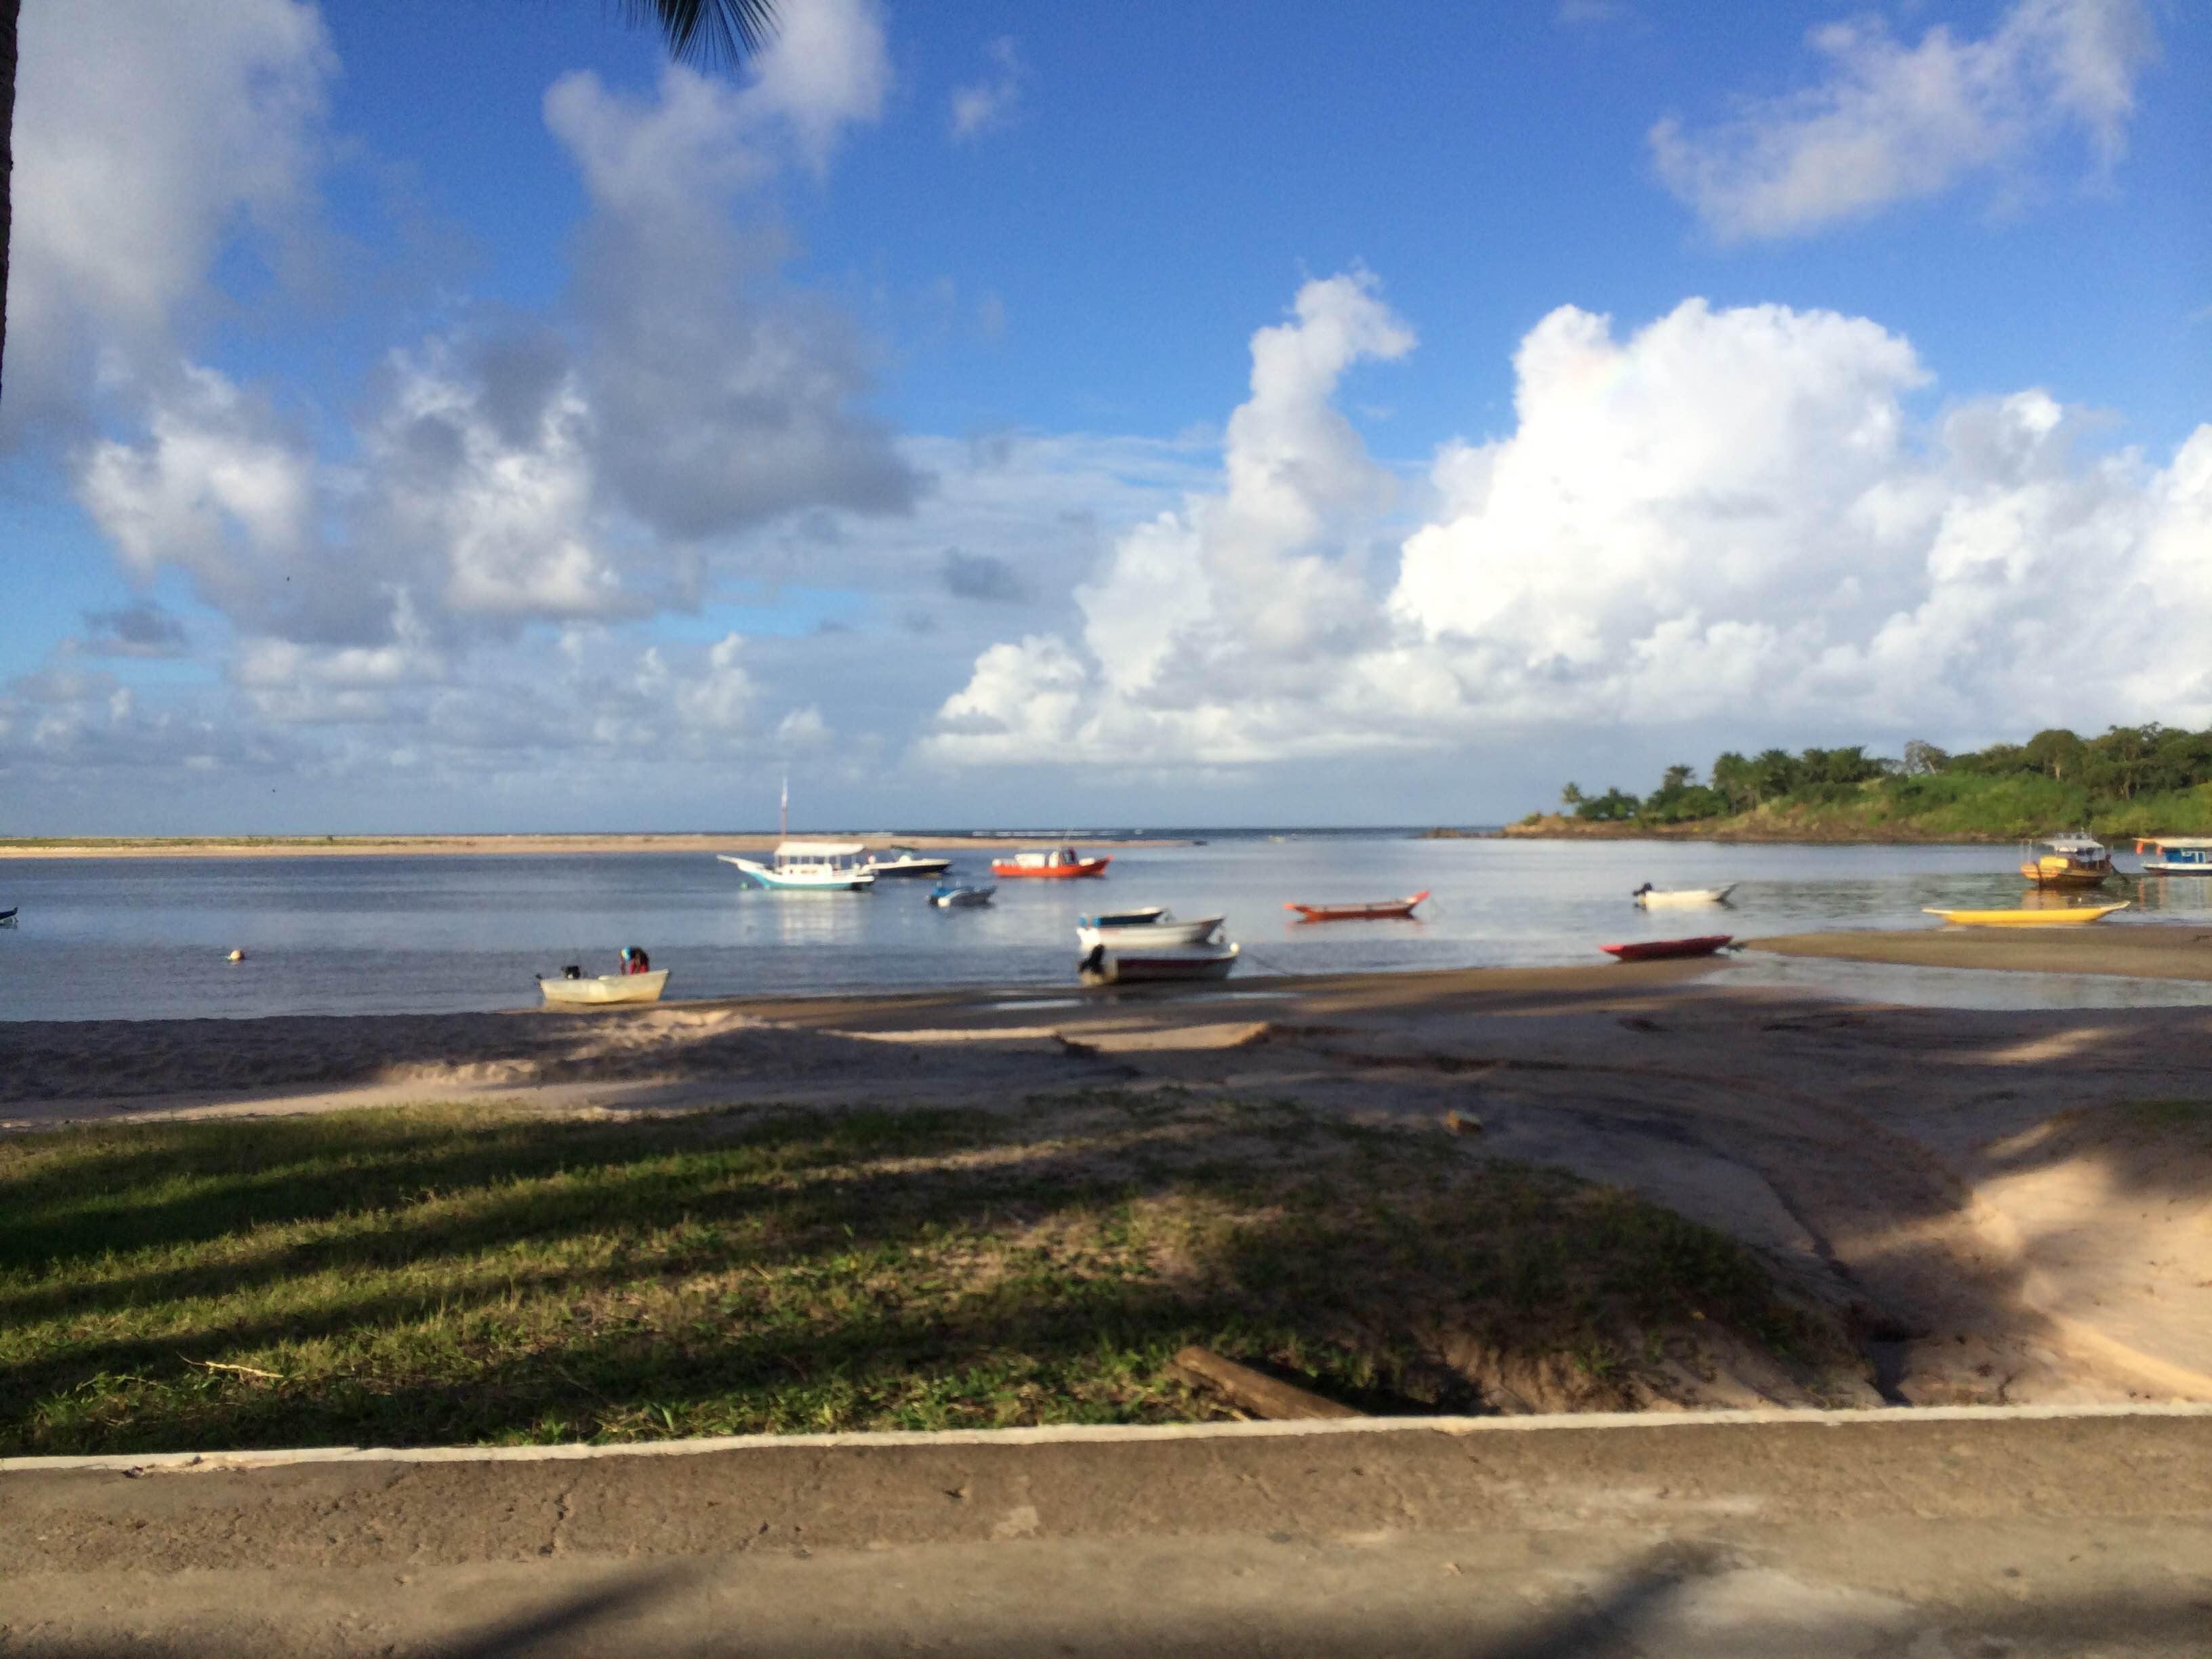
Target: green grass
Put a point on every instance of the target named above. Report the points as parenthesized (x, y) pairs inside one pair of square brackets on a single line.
[(466, 1275)]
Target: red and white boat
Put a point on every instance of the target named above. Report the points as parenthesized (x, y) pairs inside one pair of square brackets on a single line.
[(1058, 863), (1655, 950), (1365, 910)]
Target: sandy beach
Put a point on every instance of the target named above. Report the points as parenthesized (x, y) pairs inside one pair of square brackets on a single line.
[(246, 847), (2007, 1206)]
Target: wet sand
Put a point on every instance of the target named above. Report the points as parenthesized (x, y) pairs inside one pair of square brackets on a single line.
[(2007, 1206), (2130, 950)]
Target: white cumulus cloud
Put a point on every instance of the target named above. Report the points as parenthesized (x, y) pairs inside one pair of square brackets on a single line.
[(1735, 518), (1891, 123), (984, 106), (145, 137)]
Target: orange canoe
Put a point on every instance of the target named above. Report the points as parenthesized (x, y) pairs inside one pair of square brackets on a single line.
[(1367, 910), (1655, 950)]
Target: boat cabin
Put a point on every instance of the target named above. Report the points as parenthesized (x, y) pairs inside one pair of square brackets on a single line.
[(817, 858)]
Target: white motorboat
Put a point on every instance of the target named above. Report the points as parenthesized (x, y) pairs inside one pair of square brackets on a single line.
[(1655, 898), (896, 860), (1138, 965), (1142, 930), (604, 989), (958, 896), (819, 866)]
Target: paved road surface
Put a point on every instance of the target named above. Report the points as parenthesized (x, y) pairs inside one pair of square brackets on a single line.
[(1963, 1535)]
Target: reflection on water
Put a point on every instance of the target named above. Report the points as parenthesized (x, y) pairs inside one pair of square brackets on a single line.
[(146, 938)]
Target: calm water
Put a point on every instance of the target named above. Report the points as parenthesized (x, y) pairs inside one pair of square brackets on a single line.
[(146, 938)]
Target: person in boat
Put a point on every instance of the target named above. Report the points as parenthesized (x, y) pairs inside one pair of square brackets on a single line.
[(634, 961)]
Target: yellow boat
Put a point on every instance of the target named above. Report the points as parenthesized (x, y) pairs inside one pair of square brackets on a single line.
[(2051, 916)]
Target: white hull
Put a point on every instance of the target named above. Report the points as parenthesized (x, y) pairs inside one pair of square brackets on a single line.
[(907, 867), (607, 987), (1681, 898), (1148, 936), (2159, 867), (1140, 966), (803, 881)]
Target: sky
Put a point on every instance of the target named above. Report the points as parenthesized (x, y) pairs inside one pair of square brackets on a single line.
[(438, 415)]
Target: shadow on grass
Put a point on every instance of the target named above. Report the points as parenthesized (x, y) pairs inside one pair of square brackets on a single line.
[(453, 1275)]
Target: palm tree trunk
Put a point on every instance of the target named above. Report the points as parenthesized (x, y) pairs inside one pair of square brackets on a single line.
[(11, 12)]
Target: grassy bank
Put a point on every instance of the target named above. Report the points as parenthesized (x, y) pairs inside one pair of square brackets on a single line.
[(450, 1275), (1943, 807)]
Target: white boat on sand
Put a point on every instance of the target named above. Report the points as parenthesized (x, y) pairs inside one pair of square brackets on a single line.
[(1142, 930), (1655, 898), (818, 867), (604, 989), (1138, 965)]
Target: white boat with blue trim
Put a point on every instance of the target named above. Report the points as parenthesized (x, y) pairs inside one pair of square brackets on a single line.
[(809, 866), (2175, 855)]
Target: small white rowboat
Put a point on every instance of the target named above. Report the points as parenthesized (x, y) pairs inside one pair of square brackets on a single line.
[(607, 987), (1131, 935), (1655, 898)]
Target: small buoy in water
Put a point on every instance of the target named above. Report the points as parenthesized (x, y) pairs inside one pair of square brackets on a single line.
[(236, 956)]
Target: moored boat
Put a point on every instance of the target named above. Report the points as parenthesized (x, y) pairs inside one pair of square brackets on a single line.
[(2078, 860), (1652, 898), (820, 867), (897, 860), (959, 895), (1057, 863), (2175, 855), (604, 989), (1142, 930), (1360, 910), (2055, 916), (8, 918), (1103, 965), (1656, 950)]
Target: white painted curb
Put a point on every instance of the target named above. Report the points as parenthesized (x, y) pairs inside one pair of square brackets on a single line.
[(1086, 1433)]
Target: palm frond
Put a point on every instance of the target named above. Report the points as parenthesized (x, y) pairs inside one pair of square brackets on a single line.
[(711, 32)]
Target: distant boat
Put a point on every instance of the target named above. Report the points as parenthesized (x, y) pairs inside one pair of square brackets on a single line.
[(1652, 898), (2170, 856), (2079, 861), (1142, 930), (2077, 916), (958, 896), (606, 989), (1364, 910), (817, 866), (904, 861), (7, 918), (1105, 966), (1655, 950), (1060, 863)]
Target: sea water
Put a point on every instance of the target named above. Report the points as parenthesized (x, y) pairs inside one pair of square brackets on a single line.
[(146, 938)]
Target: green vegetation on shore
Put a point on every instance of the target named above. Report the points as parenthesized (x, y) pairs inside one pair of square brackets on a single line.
[(442, 1274), (2130, 780)]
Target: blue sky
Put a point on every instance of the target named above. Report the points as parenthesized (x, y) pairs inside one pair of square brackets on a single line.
[(421, 415)]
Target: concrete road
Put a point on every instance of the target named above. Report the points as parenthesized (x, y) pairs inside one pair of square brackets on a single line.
[(1958, 1534)]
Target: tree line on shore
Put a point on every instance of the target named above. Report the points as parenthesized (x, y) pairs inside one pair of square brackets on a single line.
[(2126, 774)]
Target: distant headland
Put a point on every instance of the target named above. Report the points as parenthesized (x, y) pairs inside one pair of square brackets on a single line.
[(2130, 781)]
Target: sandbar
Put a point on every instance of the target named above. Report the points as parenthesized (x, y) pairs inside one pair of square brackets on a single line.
[(2134, 951), (288, 846)]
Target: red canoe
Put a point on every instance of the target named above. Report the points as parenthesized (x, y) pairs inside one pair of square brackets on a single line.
[(1370, 910), (1651, 950)]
